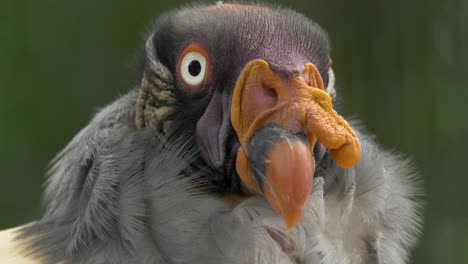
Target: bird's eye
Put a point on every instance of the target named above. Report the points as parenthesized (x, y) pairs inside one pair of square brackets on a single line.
[(193, 66)]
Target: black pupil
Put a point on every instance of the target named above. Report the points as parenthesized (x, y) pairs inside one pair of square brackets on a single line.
[(194, 68)]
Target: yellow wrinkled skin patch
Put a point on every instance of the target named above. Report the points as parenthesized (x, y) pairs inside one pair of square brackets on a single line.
[(302, 104)]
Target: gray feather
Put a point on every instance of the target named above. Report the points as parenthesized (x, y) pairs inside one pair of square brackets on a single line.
[(118, 195)]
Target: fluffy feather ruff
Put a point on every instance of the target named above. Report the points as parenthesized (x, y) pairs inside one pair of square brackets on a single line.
[(115, 195)]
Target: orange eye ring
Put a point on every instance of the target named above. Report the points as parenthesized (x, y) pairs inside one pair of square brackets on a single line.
[(193, 67)]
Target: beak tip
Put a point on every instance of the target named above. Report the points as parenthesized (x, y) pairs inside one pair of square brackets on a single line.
[(290, 212), (291, 221)]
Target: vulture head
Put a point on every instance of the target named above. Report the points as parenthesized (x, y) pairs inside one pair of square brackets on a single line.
[(228, 150), (249, 85)]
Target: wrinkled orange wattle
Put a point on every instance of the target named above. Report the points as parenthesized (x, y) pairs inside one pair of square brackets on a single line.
[(299, 104)]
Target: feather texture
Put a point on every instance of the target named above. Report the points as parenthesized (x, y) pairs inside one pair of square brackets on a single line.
[(118, 195), (120, 192)]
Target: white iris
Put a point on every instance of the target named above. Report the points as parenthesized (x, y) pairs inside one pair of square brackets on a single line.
[(193, 68)]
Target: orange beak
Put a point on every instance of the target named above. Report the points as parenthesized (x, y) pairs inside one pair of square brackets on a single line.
[(278, 121)]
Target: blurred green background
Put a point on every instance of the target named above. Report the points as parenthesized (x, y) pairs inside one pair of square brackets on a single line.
[(401, 66)]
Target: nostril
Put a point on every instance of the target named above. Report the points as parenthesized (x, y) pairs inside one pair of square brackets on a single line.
[(271, 95)]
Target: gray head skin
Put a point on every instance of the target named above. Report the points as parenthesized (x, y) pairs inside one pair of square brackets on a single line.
[(146, 180)]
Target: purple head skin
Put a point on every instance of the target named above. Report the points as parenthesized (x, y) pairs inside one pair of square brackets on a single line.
[(236, 35)]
